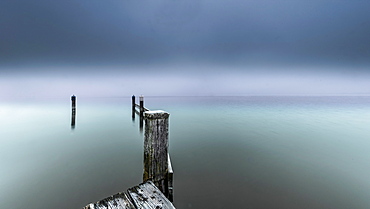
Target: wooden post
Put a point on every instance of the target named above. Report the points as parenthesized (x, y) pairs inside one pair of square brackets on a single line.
[(73, 119), (156, 149), (141, 105), (141, 123), (73, 98), (133, 106)]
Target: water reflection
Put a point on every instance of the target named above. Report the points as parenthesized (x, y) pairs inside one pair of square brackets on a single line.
[(141, 123), (141, 120), (73, 119)]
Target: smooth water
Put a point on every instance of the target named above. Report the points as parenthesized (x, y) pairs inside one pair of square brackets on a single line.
[(227, 152)]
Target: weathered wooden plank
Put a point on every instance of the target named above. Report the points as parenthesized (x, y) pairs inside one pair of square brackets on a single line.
[(148, 196), (138, 106), (117, 201), (143, 196)]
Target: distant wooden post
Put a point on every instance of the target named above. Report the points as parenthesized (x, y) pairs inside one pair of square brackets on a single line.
[(156, 157), (141, 105), (141, 123), (73, 98), (73, 119), (133, 106)]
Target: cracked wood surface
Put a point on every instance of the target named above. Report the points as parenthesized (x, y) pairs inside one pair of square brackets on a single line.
[(143, 196)]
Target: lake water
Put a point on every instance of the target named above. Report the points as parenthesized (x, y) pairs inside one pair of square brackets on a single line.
[(227, 152)]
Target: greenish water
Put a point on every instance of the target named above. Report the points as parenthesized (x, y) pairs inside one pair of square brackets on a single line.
[(227, 152)]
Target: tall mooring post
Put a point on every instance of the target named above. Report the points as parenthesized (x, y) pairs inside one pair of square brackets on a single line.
[(156, 158), (141, 98), (73, 99), (133, 106), (141, 105), (73, 118)]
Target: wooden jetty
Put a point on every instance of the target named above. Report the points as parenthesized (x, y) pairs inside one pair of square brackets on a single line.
[(140, 107), (156, 163), (157, 190)]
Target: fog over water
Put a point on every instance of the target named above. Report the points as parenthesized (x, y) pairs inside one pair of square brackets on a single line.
[(201, 82)]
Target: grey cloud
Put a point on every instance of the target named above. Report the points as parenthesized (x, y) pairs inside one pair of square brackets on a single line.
[(154, 32)]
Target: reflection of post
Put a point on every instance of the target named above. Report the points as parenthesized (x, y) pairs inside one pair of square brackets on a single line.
[(73, 119), (141, 124), (156, 156), (133, 107)]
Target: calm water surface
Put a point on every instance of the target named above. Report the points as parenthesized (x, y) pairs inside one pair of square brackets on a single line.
[(227, 152)]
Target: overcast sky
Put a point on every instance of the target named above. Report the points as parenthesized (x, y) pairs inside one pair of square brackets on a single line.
[(178, 47)]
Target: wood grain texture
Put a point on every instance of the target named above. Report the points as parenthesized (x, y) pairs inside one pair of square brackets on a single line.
[(143, 196), (117, 201), (156, 149), (148, 196)]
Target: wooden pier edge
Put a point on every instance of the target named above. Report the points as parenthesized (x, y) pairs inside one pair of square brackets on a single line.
[(145, 195), (157, 190)]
